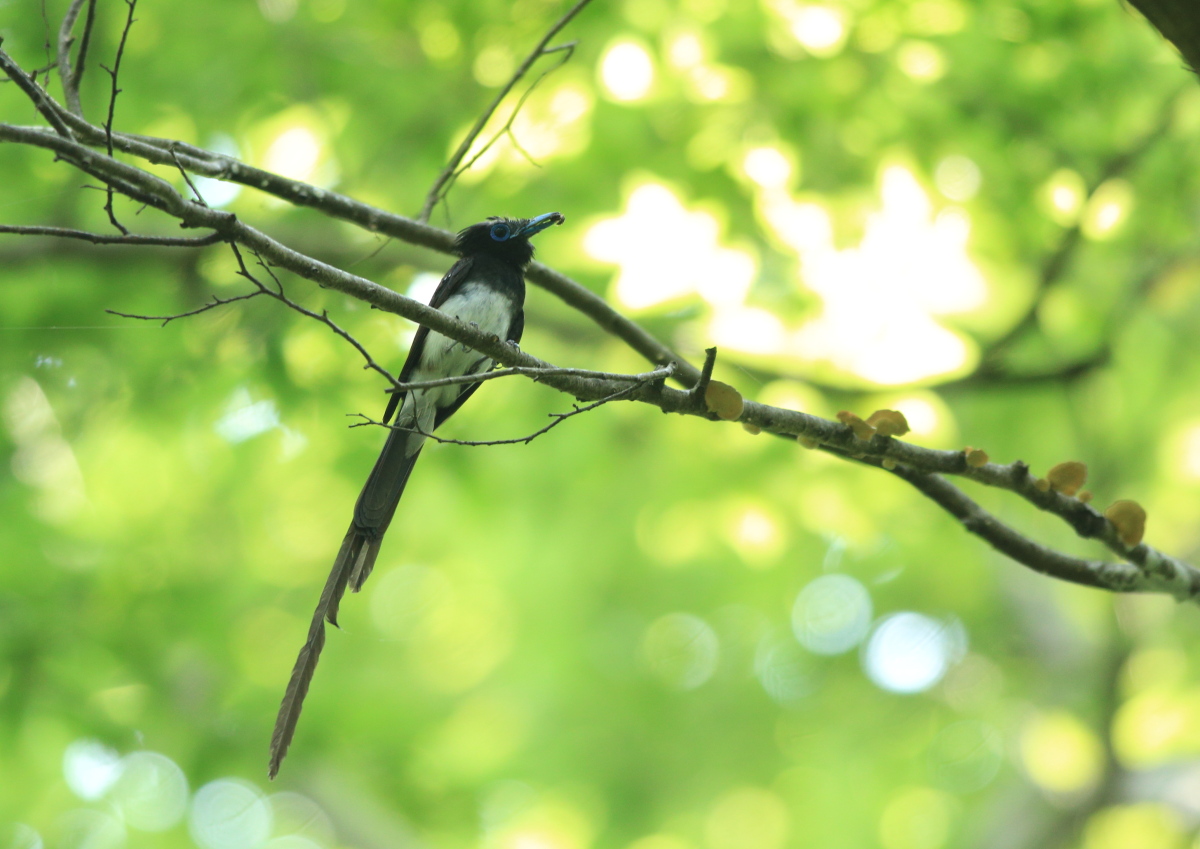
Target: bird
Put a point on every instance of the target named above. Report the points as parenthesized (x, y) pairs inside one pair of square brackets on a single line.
[(486, 288)]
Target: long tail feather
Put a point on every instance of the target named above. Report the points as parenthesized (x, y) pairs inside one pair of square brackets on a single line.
[(310, 653), (355, 560)]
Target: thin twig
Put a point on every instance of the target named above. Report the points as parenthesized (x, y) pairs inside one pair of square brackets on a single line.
[(374, 220), (1147, 569), (323, 316), (507, 129), (436, 192), (72, 76), (65, 40), (106, 239), (558, 418), (1059, 260), (112, 107), (81, 59), (211, 305), (697, 392), (187, 179)]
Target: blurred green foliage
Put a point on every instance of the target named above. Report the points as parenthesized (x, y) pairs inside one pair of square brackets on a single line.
[(638, 631)]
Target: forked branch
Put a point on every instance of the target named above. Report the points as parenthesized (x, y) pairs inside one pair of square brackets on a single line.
[(69, 137)]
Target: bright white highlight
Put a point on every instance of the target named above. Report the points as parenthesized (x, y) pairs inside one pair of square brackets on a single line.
[(909, 652), (819, 28), (245, 419), (1190, 445), (880, 298), (666, 252), (1108, 209), (90, 769), (832, 614), (922, 416), (218, 193), (748, 329), (294, 153), (1064, 199), (423, 286), (627, 71), (768, 167), (686, 51)]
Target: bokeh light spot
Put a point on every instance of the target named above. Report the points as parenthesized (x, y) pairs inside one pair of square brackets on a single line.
[(245, 419), (958, 178), (832, 614), (879, 298), (922, 61), (218, 193), (1147, 825), (916, 818), (666, 252), (22, 836), (910, 652), (494, 65), (627, 71), (965, 756), (767, 166), (1156, 727), (229, 814), (87, 828), (921, 415), (681, 650), (820, 29), (757, 535), (747, 818), (152, 792), (1189, 453), (686, 50), (294, 153), (296, 814), (784, 670), (1061, 754), (1062, 196), (90, 768), (1107, 209), (748, 329)]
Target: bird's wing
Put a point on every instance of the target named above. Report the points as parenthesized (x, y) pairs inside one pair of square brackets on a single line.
[(449, 283)]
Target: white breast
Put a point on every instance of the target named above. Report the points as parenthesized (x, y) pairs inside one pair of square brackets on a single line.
[(444, 357)]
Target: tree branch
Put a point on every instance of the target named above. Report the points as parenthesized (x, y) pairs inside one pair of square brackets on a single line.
[(1056, 264), (444, 180), (72, 77), (1146, 569)]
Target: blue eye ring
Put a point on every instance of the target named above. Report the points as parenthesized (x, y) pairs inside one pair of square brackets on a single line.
[(499, 232)]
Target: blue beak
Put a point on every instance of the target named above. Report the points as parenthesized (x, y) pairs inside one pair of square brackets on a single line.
[(537, 225)]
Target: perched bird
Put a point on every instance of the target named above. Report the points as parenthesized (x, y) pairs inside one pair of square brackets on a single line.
[(486, 288)]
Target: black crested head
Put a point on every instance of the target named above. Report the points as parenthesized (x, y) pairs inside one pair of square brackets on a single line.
[(504, 238)]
